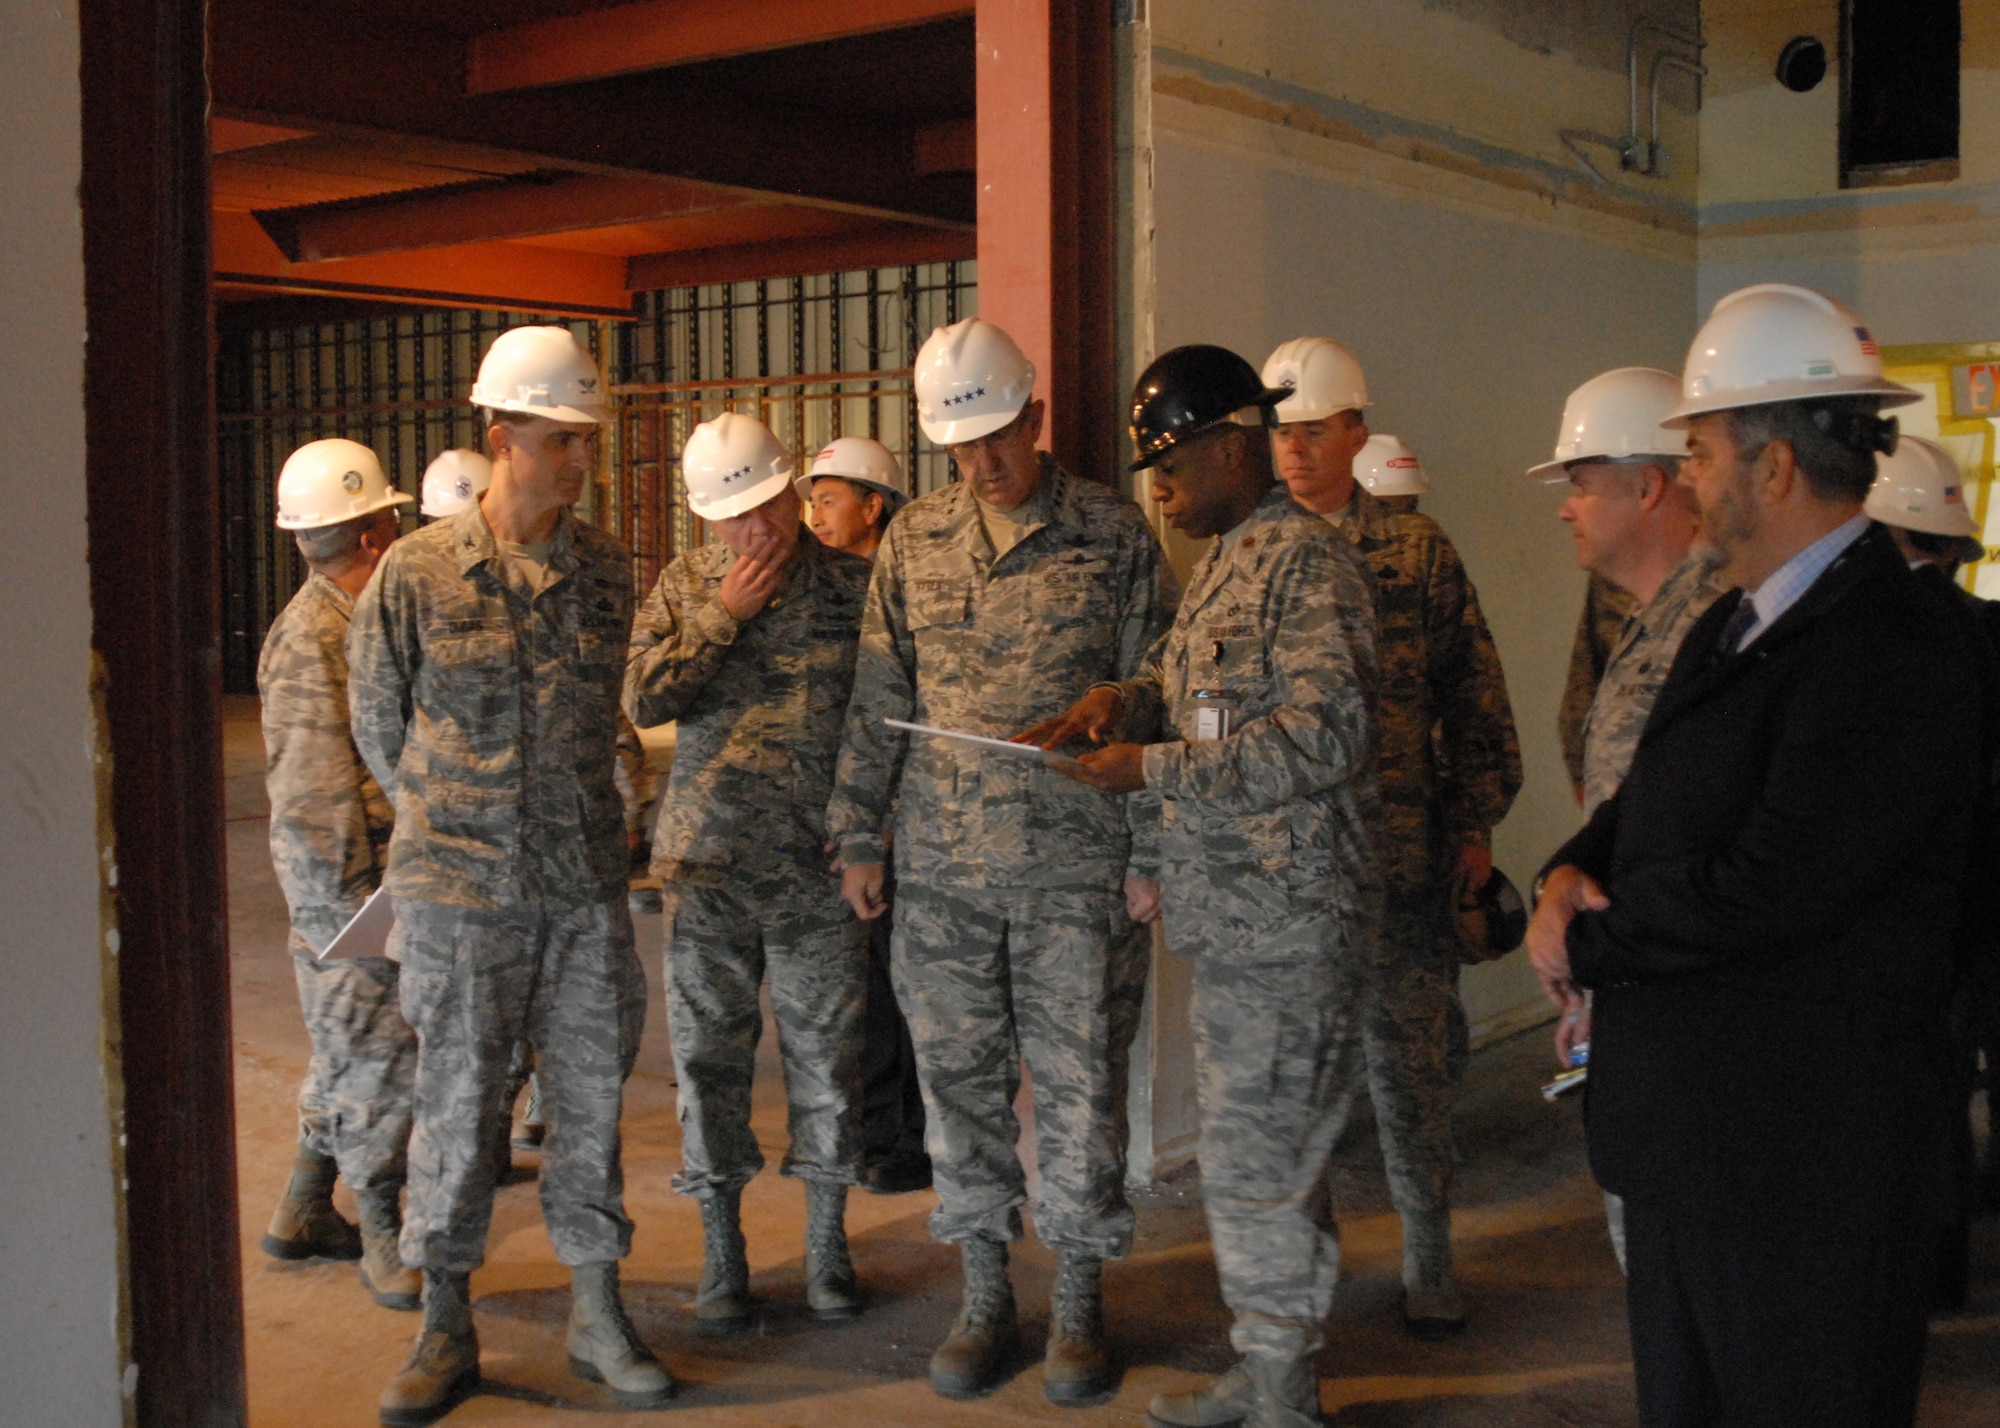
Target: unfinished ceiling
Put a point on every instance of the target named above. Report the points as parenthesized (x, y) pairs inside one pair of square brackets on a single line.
[(558, 155)]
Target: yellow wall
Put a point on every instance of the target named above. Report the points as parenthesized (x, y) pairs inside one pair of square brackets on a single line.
[(1970, 440)]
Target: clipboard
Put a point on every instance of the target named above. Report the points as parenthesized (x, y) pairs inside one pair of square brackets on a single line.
[(998, 746), (367, 932)]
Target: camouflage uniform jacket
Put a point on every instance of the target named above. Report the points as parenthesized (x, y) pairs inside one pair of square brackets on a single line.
[(493, 718), (1278, 614), (955, 638), (329, 820), (1638, 666), (1605, 607), (759, 705), (1440, 675)]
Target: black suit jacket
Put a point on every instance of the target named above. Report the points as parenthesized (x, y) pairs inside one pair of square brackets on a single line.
[(1783, 863)]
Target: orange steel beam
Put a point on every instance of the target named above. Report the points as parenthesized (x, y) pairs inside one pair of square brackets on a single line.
[(1044, 185), (950, 147), (272, 62), (658, 34), (228, 136), (874, 248), (517, 277), (526, 206)]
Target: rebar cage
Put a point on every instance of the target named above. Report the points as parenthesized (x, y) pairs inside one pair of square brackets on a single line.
[(814, 357)]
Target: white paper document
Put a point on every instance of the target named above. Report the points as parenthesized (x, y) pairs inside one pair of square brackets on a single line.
[(998, 746), (367, 932)]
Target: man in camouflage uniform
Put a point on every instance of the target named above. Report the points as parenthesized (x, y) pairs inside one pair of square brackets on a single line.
[(995, 603), (1605, 607), (854, 489), (1449, 766), (329, 834), (1250, 728), (1637, 532), (488, 655), (749, 643)]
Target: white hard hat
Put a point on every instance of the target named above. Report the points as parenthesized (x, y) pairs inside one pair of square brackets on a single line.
[(731, 465), (326, 482), (1324, 377), (1614, 416), (857, 458), (543, 371), (1387, 467), (453, 481), (971, 380), (1777, 342), (1919, 488)]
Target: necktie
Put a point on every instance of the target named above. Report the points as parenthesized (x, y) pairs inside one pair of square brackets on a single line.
[(1736, 627)]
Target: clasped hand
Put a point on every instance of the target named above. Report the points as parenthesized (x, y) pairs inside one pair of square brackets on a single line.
[(1566, 892)]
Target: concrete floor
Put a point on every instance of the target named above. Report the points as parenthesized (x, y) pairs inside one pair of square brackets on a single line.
[(1547, 1344)]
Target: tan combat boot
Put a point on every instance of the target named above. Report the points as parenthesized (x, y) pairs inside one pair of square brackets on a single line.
[(1219, 1403), (1077, 1369), (971, 1362), (392, 1284), (722, 1303), (443, 1369), (831, 1290), (1285, 1393), (603, 1345), (1432, 1309), (305, 1225)]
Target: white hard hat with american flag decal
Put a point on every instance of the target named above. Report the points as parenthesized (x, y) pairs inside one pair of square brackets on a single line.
[(1777, 342)]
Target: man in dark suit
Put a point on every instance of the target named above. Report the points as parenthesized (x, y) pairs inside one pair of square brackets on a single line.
[(1766, 911)]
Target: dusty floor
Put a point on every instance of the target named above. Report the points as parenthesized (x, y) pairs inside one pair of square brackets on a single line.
[(1547, 1344)]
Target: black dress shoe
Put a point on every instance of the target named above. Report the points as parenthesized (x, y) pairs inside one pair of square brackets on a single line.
[(897, 1174)]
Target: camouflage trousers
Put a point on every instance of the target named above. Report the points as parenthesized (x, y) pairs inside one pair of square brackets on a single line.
[(477, 981), (989, 978), (1276, 1038), (1411, 986), (721, 943), (354, 1103)]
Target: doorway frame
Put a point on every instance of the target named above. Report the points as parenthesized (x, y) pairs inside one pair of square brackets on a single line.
[(154, 545)]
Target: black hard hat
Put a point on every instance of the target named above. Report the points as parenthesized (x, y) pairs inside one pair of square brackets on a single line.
[(1191, 390), (1492, 921)]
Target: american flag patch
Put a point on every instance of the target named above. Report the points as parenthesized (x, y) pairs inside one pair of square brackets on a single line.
[(1868, 347)]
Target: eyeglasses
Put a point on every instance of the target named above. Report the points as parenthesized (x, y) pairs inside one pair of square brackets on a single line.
[(965, 451)]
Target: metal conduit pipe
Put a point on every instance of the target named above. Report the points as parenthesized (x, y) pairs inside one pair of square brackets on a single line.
[(1665, 60), (1645, 25)]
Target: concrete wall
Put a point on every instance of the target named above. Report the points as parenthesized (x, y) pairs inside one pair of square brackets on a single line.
[(1916, 260), (1393, 175), (60, 1355)]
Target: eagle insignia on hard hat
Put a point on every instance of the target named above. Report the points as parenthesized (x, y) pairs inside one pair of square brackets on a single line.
[(462, 488), (351, 483)]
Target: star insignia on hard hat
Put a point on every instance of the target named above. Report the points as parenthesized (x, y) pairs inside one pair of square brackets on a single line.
[(351, 483)]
